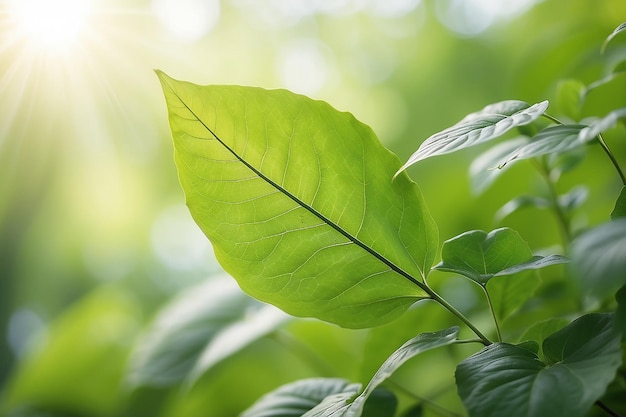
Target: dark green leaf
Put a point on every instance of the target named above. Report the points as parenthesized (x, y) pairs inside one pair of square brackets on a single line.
[(297, 200), (202, 326), (509, 380), (484, 169), (621, 28), (382, 403), (477, 128), (480, 256), (338, 406), (620, 205), (296, 398), (552, 139), (620, 314), (599, 258)]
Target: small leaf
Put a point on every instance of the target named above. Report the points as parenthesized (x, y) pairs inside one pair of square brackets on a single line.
[(620, 205), (621, 28), (477, 128), (297, 200), (552, 139), (521, 202), (296, 398), (569, 95), (481, 256), (599, 126), (510, 293), (484, 171), (599, 258), (338, 406), (203, 325), (574, 198), (508, 380)]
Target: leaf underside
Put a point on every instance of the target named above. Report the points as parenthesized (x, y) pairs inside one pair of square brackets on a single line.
[(297, 200)]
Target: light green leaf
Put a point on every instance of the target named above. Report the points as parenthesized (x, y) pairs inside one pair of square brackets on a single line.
[(620, 205), (599, 258), (599, 126), (477, 128), (552, 139), (339, 406), (480, 256), (521, 202), (200, 327), (298, 202), (574, 198), (484, 169), (621, 28), (296, 398), (569, 96), (509, 380)]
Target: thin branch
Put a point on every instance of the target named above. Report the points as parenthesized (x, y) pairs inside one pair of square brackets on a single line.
[(493, 312), (606, 409)]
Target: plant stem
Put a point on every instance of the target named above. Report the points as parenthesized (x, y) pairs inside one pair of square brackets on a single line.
[(426, 401), (606, 149), (436, 297), (493, 312), (606, 409), (562, 220)]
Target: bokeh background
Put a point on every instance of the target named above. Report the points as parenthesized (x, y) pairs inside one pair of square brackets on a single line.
[(94, 234)]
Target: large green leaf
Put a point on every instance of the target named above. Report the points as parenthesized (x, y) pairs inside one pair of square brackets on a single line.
[(477, 128), (200, 327), (298, 202), (480, 256), (599, 258), (340, 405), (504, 379)]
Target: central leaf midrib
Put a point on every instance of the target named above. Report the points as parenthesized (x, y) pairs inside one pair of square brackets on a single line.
[(310, 209)]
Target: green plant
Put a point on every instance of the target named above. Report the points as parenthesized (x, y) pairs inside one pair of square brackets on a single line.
[(309, 212)]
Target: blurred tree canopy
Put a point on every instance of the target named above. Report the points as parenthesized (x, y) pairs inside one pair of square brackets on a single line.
[(94, 235)]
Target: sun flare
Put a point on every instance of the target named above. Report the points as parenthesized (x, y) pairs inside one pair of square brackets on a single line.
[(51, 25)]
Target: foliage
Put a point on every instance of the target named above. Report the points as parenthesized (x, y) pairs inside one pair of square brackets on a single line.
[(308, 211)]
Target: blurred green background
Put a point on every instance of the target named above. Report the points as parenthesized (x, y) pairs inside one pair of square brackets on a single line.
[(94, 235)]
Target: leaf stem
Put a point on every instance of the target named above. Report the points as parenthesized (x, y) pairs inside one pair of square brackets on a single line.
[(426, 401), (436, 297), (493, 312), (606, 409), (562, 220)]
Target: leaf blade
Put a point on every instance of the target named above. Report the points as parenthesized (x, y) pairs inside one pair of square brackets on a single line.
[(477, 128), (279, 184)]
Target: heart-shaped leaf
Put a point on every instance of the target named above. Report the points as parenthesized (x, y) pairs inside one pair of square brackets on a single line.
[(599, 258), (480, 256), (477, 128), (504, 379), (297, 200), (202, 326), (339, 406)]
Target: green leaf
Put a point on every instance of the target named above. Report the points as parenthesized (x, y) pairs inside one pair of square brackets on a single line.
[(620, 205), (504, 379), (484, 169), (620, 314), (382, 403), (574, 198), (599, 258), (296, 398), (601, 125), (339, 406), (510, 293), (199, 328), (477, 128), (569, 96), (297, 200), (552, 139), (621, 28), (539, 331), (480, 256), (521, 202)]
